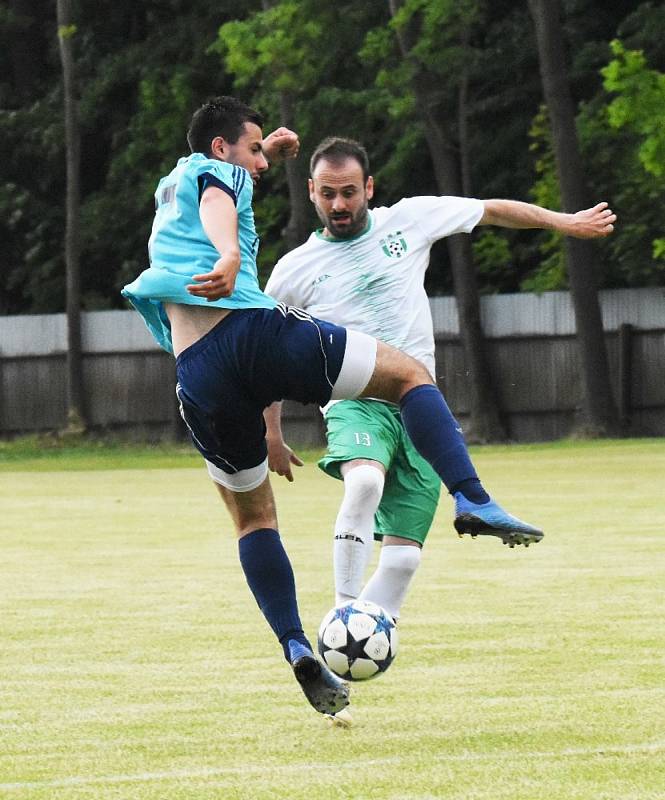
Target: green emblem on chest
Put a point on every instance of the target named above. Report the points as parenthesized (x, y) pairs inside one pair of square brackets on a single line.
[(394, 245)]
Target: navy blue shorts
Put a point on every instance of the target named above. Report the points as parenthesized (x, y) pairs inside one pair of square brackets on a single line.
[(250, 359)]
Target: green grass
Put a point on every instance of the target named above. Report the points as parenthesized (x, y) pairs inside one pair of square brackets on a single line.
[(134, 663)]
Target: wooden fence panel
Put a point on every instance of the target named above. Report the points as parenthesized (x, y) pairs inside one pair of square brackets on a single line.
[(130, 388), (32, 394), (533, 355)]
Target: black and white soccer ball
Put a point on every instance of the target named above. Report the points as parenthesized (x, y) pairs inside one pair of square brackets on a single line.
[(358, 641)]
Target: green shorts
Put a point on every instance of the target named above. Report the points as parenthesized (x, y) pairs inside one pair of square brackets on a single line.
[(373, 430)]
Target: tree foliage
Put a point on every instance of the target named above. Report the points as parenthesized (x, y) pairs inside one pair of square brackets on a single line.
[(145, 67), (638, 108), (639, 104)]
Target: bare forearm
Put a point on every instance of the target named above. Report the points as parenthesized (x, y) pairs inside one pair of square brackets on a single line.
[(272, 416), (515, 214), (220, 222), (281, 458), (589, 223)]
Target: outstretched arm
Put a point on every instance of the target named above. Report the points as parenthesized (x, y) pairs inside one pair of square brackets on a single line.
[(591, 223)]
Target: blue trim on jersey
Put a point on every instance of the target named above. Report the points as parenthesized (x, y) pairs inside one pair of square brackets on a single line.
[(239, 178), (207, 180)]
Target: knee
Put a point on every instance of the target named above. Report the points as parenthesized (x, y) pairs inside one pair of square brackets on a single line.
[(409, 373), (250, 510), (416, 374), (363, 487)]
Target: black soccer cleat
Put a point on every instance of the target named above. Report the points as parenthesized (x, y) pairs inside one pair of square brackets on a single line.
[(327, 693)]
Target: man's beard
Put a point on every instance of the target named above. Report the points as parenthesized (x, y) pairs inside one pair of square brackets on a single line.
[(355, 225)]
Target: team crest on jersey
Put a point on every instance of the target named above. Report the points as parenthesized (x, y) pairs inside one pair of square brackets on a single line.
[(394, 245)]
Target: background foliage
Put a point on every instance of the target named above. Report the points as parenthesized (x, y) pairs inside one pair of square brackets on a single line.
[(145, 67)]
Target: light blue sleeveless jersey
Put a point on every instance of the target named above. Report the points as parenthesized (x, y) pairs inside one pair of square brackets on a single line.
[(179, 247)]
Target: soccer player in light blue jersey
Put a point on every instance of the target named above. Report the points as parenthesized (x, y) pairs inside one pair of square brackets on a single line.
[(238, 352), (180, 249)]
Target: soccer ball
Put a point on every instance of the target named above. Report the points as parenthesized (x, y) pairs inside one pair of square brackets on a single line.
[(358, 641)]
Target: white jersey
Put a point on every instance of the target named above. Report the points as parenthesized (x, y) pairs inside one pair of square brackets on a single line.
[(374, 282)]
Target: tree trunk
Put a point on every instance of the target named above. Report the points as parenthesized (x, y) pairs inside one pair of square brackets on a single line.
[(75, 410), (599, 408), (297, 228), (485, 423), (463, 127)]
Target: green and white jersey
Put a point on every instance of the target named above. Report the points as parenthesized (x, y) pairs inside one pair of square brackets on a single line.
[(374, 282)]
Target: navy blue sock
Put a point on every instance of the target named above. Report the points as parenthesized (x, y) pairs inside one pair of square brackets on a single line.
[(472, 489), (438, 438), (270, 577)]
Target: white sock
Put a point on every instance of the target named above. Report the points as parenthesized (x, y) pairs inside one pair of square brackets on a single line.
[(390, 582), (354, 530)]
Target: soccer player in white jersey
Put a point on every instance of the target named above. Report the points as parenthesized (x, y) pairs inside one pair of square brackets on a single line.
[(365, 270)]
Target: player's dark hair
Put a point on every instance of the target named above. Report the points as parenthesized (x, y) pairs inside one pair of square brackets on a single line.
[(337, 149), (221, 116)]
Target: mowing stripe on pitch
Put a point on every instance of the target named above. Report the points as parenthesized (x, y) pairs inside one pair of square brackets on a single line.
[(212, 772)]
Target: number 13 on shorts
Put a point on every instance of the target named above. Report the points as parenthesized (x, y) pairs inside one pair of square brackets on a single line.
[(363, 439)]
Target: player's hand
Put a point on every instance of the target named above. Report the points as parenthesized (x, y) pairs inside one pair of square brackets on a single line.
[(592, 223), (281, 458), (218, 283), (280, 144)]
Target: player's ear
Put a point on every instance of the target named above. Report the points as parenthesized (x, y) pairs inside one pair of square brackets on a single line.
[(369, 187), (310, 186), (218, 148)]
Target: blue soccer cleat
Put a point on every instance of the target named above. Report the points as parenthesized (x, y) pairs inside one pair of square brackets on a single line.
[(489, 519), (324, 690)]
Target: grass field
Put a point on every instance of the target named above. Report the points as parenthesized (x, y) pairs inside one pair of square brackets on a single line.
[(134, 663)]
